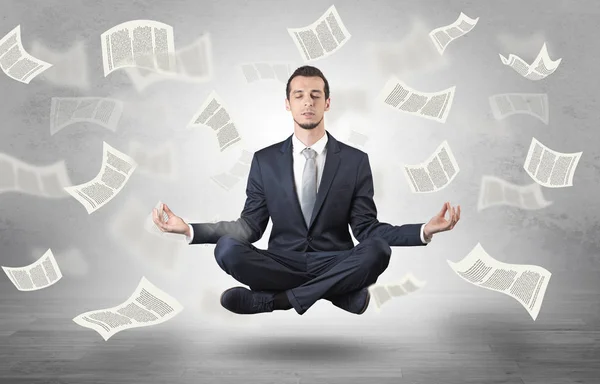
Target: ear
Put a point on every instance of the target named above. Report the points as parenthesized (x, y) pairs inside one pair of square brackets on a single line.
[(327, 102), (287, 104)]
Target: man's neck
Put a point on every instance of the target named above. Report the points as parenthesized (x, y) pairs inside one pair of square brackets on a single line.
[(309, 136)]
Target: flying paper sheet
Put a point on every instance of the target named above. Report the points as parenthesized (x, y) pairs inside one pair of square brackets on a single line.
[(550, 168), (433, 106), (495, 191), (539, 69), (322, 38), (525, 283), (271, 70), (147, 306), (15, 62), (443, 36), (45, 181), (213, 113), (139, 43), (382, 293), (40, 274), (238, 172), (193, 64), (116, 170), (433, 174), (103, 111), (508, 104)]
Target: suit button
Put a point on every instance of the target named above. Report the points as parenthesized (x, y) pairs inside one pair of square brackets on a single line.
[(309, 238)]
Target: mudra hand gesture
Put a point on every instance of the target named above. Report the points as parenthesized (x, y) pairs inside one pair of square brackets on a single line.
[(439, 223), (174, 224)]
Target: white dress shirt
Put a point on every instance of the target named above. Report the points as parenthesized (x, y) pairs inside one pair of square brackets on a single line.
[(299, 160)]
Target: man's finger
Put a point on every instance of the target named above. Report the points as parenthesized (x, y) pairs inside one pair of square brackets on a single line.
[(456, 216), (159, 223), (443, 211), (451, 218), (164, 227), (167, 210)]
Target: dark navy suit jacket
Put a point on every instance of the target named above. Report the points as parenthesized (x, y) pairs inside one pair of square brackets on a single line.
[(345, 197)]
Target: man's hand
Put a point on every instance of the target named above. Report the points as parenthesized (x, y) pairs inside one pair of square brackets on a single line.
[(439, 223), (174, 224)]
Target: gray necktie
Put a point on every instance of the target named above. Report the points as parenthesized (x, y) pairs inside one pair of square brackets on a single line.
[(309, 184)]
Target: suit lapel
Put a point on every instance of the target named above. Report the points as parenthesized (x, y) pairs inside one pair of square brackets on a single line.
[(332, 162), (286, 170)]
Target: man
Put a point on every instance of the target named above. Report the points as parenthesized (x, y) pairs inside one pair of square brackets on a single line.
[(311, 186)]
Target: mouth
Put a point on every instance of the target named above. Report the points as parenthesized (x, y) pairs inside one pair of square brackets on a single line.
[(308, 114)]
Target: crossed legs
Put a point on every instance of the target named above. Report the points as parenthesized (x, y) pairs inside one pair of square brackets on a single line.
[(304, 277)]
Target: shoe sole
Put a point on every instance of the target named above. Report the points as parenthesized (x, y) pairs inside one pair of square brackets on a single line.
[(366, 304), (364, 308)]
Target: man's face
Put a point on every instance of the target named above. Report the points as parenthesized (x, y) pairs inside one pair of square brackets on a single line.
[(307, 101)]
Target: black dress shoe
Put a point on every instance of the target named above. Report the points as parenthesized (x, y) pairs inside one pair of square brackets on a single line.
[(355, 302), (243, 301)]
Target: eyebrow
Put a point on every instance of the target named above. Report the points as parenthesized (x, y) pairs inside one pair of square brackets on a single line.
[(300, 91)]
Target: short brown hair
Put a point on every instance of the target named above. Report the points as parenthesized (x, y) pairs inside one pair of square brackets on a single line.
[(307, 71)]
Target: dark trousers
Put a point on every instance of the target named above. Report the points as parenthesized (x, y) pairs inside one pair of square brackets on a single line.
[(305, 276)]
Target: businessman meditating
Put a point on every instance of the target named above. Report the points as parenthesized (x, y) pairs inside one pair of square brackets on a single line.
[(311, 186)]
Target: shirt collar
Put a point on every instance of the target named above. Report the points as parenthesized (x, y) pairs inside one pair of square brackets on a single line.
[(319, 146)]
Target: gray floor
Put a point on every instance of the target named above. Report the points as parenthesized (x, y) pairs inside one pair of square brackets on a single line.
[(483, 337)]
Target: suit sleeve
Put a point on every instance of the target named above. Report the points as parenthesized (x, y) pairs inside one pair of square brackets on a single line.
[(252, 222), (363, 215)]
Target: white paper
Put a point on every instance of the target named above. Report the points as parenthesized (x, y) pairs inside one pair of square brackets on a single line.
[(495, 191), (433, 106), (239, 171), (43, 181), (539, 69), (550, 168), (322, 38), (435, 173), (382, 293), (139, 43), (266, 71), (15, 62), (443, 36), (525, 283), (213, 113), (103, 111), (507, 104), (148, 305), (194, 64), (116, 170), (38, 275)]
